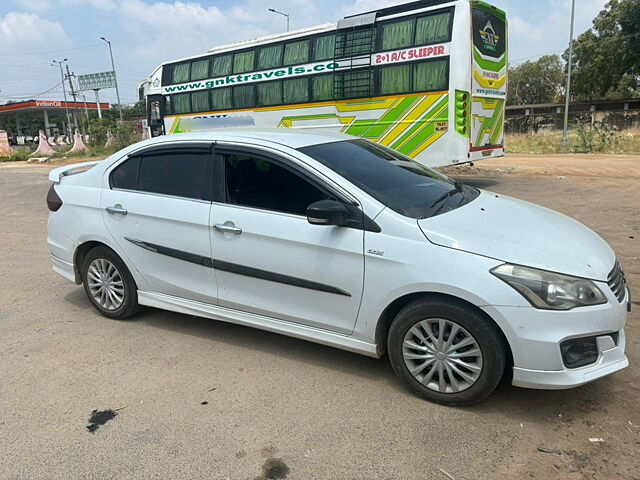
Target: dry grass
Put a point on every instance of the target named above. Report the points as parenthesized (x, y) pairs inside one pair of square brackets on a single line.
[(625, 142)]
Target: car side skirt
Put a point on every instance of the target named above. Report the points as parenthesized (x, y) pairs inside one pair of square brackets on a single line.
[(190, 307)]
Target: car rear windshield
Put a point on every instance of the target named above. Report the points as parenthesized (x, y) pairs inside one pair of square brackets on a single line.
[(393, 179)]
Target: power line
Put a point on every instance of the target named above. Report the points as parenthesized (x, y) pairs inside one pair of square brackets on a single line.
[(49, 51), (34, 95)]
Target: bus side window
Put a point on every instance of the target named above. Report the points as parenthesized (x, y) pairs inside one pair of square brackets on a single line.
[(243, 96), (296, 53), (322, 87), (269, 93), (397, 34), (395, 79), (181, 103), (324, 47), (200, 69), (295, 90), (200, 101), (243, 61), (180, 72), (431, 75), (221, 98), (221, 65), (435, 28), (270, 57)]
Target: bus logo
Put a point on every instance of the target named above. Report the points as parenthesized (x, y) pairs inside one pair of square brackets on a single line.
[(489, 37)]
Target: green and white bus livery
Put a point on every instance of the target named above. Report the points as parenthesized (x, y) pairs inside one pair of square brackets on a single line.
[(426, 78)]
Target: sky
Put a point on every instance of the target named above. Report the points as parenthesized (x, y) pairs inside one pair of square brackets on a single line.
[(145, 33)]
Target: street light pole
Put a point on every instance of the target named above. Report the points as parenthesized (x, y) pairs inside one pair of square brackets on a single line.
[(281, 13), (115, 78), (565, 130), (64, 92)]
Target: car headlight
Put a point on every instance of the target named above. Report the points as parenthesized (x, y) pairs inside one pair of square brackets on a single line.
[(548, 290)]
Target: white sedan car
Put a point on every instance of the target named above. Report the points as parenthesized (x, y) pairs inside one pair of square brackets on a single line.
[(344, 242)]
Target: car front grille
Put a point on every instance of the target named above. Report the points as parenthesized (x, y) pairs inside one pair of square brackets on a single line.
[(617, 281)]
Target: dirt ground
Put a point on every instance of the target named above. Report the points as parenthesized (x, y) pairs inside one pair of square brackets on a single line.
[(197, 399)]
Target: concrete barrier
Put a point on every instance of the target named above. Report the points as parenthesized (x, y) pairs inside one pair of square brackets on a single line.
[(5, 148), (110, 139), (78, 144), (44, 149)]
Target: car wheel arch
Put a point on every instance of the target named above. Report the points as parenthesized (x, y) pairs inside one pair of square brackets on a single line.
[(83, 249), (389, 313)]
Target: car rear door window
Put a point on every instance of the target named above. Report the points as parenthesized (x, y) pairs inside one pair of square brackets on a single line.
[(258, 182), (125, 176), (179, 173)]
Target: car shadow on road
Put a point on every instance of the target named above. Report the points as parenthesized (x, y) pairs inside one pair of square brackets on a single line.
[(536, 406), (550, 406), (239, 336)]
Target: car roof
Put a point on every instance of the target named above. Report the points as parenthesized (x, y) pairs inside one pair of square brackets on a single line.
[(293, 138)]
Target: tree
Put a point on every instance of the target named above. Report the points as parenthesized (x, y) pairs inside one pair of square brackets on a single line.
[(537, 81), (607, 56)]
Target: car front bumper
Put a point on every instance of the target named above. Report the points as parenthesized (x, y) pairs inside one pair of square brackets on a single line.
[(611, 359), (535, 337)]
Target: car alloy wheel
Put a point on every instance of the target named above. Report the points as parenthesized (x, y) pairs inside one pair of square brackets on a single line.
[(105, 284), (442, 355)]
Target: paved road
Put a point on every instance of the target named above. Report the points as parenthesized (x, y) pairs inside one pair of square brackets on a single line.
[(274, 401)]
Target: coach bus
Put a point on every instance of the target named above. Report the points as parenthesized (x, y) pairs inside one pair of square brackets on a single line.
[(426, 78)]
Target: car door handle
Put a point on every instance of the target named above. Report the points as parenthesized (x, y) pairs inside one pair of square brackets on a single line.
[(227, 228), (117, 210)]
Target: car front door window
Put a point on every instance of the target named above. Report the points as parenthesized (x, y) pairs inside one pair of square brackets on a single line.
[(253, 181)]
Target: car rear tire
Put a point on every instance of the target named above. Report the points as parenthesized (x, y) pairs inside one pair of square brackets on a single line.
[(109, 284), (446, 352)]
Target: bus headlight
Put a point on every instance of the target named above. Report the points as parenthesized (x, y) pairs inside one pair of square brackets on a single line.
[(548, 290)]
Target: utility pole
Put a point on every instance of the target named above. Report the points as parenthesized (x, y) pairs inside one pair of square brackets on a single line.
[(64, 92), (115, 78), (86, 110), (281, 13), (73, 94), (567, 95), (86, 114)]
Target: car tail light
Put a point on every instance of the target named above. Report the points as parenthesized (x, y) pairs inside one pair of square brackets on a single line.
[(54, 202)]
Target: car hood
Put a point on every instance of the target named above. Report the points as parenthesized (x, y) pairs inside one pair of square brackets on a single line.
[(519, 232)]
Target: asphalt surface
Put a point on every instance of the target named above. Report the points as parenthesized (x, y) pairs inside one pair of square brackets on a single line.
[(276, 406)]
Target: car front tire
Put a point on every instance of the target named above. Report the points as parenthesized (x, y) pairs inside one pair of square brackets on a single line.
[(446, 352), (109, 284)]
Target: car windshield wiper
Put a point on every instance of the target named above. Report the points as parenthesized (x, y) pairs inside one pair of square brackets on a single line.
[(459, 188)]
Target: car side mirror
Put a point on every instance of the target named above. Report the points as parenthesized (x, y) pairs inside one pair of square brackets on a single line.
[(327, 212)]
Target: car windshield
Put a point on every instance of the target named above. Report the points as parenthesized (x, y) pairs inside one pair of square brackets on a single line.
[(393, 179)]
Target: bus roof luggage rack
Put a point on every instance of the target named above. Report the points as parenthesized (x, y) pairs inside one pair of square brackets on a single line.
[(403, 7), (357, 20)]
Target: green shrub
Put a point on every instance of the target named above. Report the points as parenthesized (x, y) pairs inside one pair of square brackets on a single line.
[(124, 134), (596, 137), (18, 156)]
